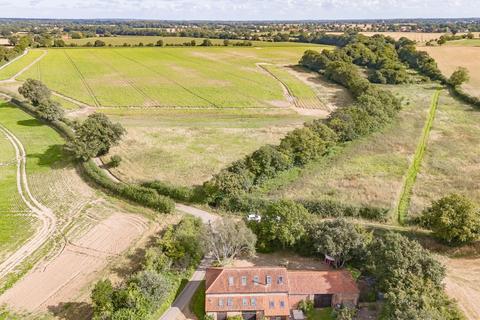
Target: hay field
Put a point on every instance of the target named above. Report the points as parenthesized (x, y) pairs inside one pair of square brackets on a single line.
[(181, 77), (135, 40), (187, 146), (369, 171), (450, 58), (464, 43), (451, 162)]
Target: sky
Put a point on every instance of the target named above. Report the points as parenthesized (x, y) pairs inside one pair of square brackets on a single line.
[(240, 9)]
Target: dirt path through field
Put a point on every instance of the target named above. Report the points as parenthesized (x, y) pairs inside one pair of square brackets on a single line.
[(19, 73), (12, 61), (44, 214), (62, 279), (463, 284)]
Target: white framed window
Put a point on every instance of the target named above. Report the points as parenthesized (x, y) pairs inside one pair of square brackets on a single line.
[(256, 280), (244, 280), (220, 302), (230, 281), (229, 302), (268, 280), (282, 304), (271, 304), (253, 302), (280, 280), (245, 301)]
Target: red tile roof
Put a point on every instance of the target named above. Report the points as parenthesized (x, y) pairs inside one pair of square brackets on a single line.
[(330, 282)]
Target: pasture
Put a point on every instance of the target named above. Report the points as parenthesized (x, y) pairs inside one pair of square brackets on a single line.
[(451, 160), (369, 171), (450, 58), (187, 146), (135, 40), (166, 77)]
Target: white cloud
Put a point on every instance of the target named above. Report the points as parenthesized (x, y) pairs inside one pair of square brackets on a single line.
[(239, 9)]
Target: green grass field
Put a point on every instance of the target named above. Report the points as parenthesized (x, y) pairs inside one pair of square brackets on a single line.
[(369, 171), (187, 146), (12, 69), (15, 223), (183, 77), (451, 161), (135, 40)]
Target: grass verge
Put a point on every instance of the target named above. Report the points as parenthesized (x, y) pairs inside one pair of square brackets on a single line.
[(197, 305)]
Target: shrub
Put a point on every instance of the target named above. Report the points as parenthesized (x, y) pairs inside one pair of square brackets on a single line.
[(115, 161), (453, 219), (35, 91), (179, 193)]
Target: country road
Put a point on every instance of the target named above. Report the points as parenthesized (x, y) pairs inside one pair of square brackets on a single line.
[(44, 214)]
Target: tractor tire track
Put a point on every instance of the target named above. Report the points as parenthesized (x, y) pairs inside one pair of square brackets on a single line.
[(84, 81), (41, 212)]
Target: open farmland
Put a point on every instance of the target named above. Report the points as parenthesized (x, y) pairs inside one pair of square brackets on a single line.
[(450, 58), (12, 69), (451, 161), (180, 77), (135, 40), (188, 146), (365, 172), (16, 224)]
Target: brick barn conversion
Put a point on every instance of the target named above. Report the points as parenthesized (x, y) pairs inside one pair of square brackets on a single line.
[(274, 292)]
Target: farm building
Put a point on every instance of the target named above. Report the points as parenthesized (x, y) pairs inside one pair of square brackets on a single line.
[(274, 292), (4, 42)]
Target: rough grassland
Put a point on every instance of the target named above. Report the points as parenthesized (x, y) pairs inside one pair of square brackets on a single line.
[(450, 58), (135, 40), (451, 163), (188, 146), (185, 77), (369, 171), (15, 223), (12, 69)]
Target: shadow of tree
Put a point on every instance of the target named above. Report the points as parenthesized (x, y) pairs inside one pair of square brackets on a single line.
[(72, 310), (30, 123), (54, 157)]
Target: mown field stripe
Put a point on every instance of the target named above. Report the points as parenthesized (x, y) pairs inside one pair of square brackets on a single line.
[(405, 196)]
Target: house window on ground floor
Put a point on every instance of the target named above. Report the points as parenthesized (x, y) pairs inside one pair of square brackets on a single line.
[(220, 302), (253, 302), (272, 304), (245, 301), (282, 304), (229, 302)]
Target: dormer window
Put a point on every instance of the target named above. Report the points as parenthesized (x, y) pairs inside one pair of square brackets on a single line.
[(256, 280), (244, 281), (268, 280), (280, 280), (230, 281)]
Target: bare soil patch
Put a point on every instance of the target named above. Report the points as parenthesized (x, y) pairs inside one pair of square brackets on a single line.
[(62, 279)]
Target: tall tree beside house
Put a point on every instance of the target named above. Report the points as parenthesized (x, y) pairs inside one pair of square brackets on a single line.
[(339, 239), (282, 225), (227, 239)]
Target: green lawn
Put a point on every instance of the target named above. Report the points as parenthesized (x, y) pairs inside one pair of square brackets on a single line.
[(184, 77), (197, 304), (15, 67), (187, 146), (369, 171), (320, 314)]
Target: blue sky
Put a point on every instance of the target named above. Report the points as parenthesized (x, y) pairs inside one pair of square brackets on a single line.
[(239, 9)]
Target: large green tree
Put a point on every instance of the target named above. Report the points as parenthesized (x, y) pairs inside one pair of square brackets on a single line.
[(453, 219), (283, 224), (339, 239), (35, 91), (95, 136)]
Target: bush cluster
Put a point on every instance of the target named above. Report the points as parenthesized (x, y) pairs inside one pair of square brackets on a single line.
[(142, 195), (165, 264), (334, 209)]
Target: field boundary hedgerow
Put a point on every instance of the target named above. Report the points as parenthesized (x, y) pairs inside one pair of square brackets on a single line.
[(411, 176)]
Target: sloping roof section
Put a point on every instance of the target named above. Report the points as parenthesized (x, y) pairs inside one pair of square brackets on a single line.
[(246, 280), (328, 282)]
